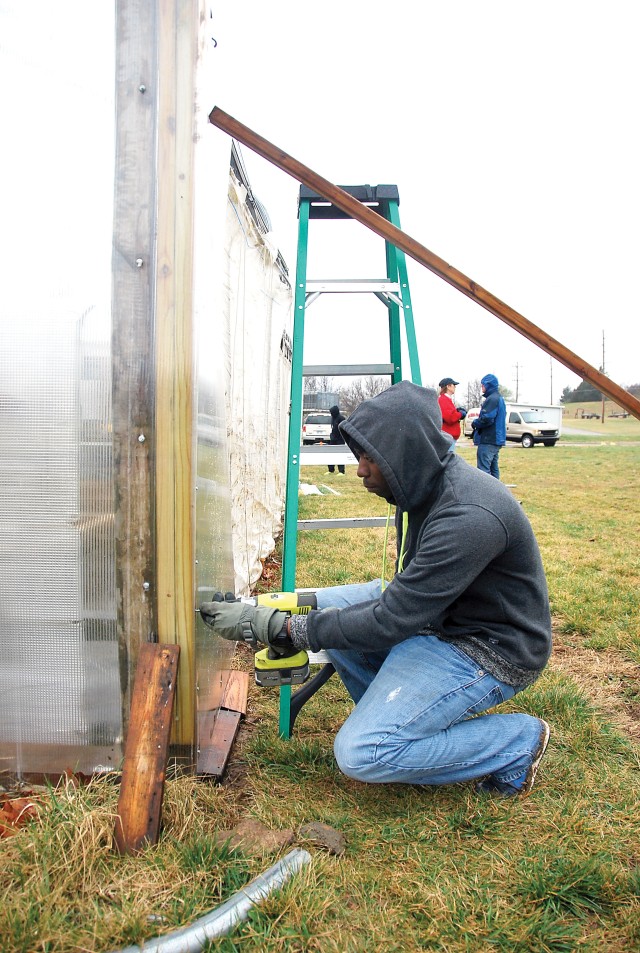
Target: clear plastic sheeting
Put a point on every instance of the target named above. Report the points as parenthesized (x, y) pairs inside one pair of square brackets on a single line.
[(63, 674), (59, 679), (258, 350), (60, 700)]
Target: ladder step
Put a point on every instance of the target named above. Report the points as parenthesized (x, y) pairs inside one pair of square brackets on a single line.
[(352, 285), (376, 197), (354, 522), (346, 370)]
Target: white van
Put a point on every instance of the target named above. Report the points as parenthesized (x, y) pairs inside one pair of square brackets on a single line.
[(316, 427), (527, 424)]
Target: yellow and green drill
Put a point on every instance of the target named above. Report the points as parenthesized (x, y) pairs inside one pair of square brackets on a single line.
[(282, 666)]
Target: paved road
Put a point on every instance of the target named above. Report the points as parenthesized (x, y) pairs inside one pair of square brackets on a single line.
[(576, 432)]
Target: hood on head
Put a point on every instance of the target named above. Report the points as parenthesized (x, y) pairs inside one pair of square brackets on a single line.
[(334, 411), (400, 429), (490, 382)]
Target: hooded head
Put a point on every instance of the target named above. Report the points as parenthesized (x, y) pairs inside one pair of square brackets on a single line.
[(334, 411), (490, 383), (400, 431)]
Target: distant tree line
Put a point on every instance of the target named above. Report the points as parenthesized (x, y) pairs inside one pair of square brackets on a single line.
[(349, 396), (586, 391)]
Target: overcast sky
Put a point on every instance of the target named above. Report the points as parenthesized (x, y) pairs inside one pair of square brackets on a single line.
[(510, 130)]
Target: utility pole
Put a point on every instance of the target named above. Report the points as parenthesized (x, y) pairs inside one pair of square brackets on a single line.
[(551, 380), (517, 367), (602, 414)]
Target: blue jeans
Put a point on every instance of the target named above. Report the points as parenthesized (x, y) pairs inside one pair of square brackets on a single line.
[(413, 718), (487, 459)]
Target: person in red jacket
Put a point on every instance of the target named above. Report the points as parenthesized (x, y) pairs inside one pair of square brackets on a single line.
[(451, 415)]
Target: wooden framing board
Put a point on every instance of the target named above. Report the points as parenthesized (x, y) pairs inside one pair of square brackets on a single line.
[(132, 345), (178, 26), (146, 752)]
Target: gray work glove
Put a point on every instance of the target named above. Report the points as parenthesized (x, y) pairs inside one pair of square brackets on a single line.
[(240, 622)]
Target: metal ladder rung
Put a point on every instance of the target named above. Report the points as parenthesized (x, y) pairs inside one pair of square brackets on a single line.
[(346, 370), (353, 522), (353, 286)]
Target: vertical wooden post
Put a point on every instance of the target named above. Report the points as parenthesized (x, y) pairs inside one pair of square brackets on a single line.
[(133, 278), (178, 49), (153, 351)]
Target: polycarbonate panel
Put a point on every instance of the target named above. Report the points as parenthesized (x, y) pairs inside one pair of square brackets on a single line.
[(59, 679), (59, 671), (213, 526)]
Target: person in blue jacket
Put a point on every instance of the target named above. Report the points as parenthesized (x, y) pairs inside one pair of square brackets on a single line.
[(490, 427)]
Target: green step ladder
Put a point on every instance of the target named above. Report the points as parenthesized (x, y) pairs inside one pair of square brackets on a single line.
[(393, 292)]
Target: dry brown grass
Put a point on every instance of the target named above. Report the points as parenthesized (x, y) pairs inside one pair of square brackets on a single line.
[(424, 869)]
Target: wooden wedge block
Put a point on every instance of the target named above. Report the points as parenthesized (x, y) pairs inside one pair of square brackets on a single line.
[(146, 751), (236, 692)]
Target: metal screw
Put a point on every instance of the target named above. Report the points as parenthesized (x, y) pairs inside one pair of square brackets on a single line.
[(139, 263), (141, 438), (146, 586), (142, 88)]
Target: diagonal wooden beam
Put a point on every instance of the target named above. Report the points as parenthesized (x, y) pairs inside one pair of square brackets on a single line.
[(439, 267)]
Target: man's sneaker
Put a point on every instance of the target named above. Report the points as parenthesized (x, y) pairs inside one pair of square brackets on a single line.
[(522, 785)]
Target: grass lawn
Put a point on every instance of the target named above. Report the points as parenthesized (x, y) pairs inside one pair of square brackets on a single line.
[(424, 868)]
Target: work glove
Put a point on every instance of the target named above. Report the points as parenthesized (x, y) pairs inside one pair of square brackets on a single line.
[(474, 423), (238, 621), (463, 412)]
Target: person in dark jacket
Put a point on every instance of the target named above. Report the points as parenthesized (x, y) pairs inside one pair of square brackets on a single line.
[(463, 625), (490, 427), (336, 436)]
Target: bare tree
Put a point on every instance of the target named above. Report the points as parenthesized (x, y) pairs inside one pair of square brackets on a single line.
[(361, 388), (474, 394), (317, 385)]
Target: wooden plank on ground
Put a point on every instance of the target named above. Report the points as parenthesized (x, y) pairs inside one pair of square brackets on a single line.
[(217, 729), (216, 734), (146, 751)]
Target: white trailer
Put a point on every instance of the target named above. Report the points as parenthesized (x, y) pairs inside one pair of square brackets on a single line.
[(527, 424)]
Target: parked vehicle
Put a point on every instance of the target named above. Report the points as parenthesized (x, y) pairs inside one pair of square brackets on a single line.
[(316, 427), (527, 424)]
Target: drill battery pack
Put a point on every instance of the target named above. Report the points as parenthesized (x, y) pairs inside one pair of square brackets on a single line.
[(289, 670)]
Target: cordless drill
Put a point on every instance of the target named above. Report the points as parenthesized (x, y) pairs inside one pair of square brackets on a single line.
[(279, 665)]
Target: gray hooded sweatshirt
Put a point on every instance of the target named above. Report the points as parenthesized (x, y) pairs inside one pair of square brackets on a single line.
[(472, 571)]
